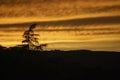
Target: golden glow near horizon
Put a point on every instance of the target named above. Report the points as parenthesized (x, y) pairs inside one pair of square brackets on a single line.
[(94, 24)]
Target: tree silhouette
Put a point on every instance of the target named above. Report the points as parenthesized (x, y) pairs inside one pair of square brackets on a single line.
[(30, 38)]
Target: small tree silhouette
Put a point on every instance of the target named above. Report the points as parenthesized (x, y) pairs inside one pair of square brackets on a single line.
[(31, 39)]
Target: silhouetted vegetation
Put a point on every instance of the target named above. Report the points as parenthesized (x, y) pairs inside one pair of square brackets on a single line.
[(19, 64), (31, 40)]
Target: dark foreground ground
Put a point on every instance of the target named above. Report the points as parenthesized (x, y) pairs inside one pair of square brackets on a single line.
[(59, 65)]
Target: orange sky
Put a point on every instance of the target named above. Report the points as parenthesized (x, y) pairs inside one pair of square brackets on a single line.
[(94, 22)]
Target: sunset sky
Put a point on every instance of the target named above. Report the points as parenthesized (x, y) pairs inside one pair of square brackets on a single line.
[(63, 24)]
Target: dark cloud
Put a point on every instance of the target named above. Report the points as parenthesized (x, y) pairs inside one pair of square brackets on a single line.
[(72, 22), (99, 9)]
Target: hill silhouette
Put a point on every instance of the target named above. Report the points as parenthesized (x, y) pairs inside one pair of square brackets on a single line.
[(19, 63)]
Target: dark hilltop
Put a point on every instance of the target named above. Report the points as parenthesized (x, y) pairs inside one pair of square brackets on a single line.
[(22, 64)]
